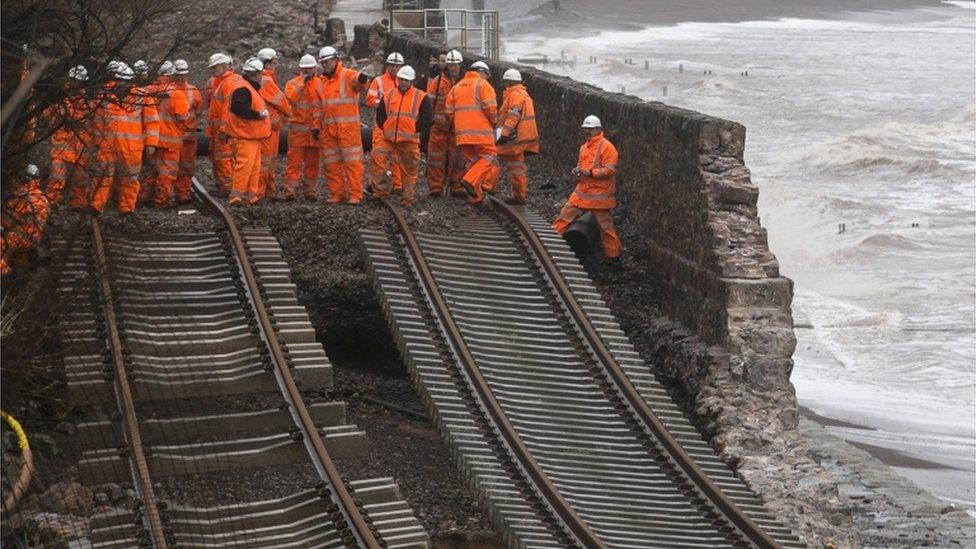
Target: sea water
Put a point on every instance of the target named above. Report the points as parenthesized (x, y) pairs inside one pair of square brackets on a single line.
[(862, 139)]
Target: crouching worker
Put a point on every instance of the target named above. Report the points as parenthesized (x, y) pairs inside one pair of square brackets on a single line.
[(403, 113), (596, 186)]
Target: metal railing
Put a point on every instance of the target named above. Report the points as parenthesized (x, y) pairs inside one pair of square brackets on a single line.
[(474, 31)]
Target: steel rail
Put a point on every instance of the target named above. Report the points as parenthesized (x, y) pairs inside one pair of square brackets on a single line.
[(580, 530), (130, 426), (702, 482), (317, 451)]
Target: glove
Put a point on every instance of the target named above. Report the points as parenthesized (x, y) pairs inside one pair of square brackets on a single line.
[(315, 135), (150, 150), (503, 139)]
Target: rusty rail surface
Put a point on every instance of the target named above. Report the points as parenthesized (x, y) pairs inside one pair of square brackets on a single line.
[(137, 457), (705, 486), (530, 467), (313, 441)]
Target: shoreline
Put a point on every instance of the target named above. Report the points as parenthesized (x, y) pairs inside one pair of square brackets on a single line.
[(575, 16)]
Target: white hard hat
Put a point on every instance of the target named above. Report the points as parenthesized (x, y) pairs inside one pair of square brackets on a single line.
[(454, 58), (307, 61), (123, 71), (167, 68), (141, 67), (219, 59), (512, 75), (480, 66), (113, 65), (394, 59), (79, 73), (267, 54), (327, 52), (252, 65), (406, 72), (591, 121), (180, 66), (32, 171)]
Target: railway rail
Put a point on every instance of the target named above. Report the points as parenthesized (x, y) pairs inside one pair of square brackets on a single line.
[(554, 419), (183, 323)]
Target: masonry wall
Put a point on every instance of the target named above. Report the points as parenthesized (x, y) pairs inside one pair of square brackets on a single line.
[(687, 206)]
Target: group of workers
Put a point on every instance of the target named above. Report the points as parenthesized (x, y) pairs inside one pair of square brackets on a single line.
[(137, 136)]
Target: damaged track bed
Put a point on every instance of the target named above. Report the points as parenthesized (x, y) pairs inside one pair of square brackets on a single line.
[(197, 362), (555, 421)]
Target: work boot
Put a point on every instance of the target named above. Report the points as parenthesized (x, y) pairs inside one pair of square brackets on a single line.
[(354, 201), (312, 198)]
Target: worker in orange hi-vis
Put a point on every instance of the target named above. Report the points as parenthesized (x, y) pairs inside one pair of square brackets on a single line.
[(174, 121), (216, 94), (24, 215), (279, 109), (342, 145), (596, 186), (302, 93), (471, 106), (440, 143), (247, 122), (374, 94), (125, 126), (188, 150), (404, 114), (70, 143), (517, 134)]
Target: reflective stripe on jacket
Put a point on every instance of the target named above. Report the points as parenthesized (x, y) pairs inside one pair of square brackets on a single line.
[(471, 107), (278, 107), (306, 110), (340, 100), (516, 118), (241, 128), (378, 88), (125, 119), (195, 103), (402, 114), (174, 109), (596, 191)]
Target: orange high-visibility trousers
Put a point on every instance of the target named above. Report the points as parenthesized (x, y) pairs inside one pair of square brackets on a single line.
[(64, 160), (343, 160), (438, 146), (395, 176), (188, 161), (81, 189), (268, 185), (608, 234), (223, 164), (481, 168), (122, 163), (386, 154), (302, 163), (516, 173), (246, 176), (167, 161)]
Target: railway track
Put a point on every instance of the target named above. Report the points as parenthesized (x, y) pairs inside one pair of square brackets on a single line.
[(194, 354), (554, 419)]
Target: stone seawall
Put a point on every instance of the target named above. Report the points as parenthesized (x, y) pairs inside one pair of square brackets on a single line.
[(687, 206)]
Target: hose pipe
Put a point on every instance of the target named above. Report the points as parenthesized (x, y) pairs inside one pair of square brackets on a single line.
[(19, 487)]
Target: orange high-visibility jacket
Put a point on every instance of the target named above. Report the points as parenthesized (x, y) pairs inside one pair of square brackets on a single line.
[(25, 212), (340, 101), (218, 99), (174, 112), (306, 110), (195, 103), (72, 132), (241, 128), (125, 119), (402, 113), (517, 120), (597, 188), (378, 88), (278, 107), (472, 107), (437, 90)]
